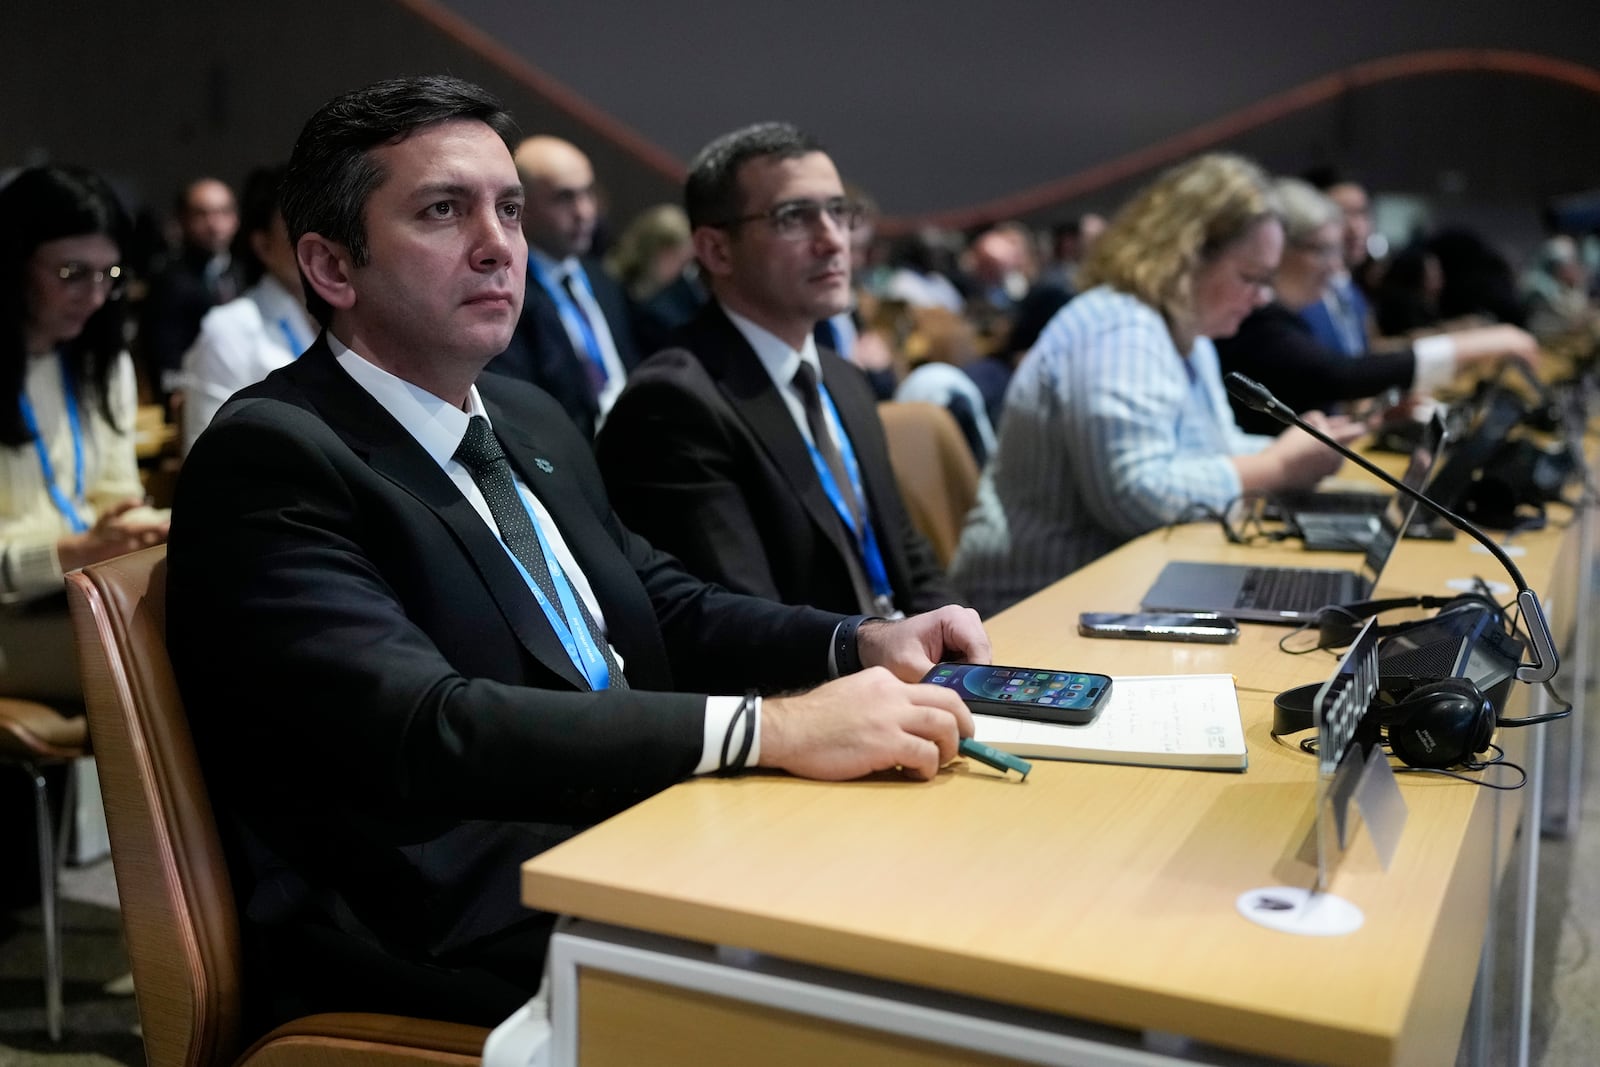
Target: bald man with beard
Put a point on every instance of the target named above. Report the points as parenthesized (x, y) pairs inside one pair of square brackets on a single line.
[(573, 339)]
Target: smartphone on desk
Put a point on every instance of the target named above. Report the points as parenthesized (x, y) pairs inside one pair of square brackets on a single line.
[(1202, 626), (1069, 698)]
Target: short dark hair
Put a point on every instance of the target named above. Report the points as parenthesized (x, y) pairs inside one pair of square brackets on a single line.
[(711, 193), (332, 174), (180, 199)]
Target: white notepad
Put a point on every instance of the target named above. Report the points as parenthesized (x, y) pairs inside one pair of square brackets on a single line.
[(1174, 720)]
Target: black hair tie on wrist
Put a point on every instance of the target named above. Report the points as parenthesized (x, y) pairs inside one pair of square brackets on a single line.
[(746, 713)]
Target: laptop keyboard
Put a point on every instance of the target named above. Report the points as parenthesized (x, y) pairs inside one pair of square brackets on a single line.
[(1290, 589)]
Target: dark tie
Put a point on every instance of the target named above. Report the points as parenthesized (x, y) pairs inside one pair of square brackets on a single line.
[(593, 364), (481, 454), (805, 380)]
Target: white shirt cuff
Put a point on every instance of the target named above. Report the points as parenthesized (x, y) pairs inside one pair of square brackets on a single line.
[(1436, 363), (719, 713)]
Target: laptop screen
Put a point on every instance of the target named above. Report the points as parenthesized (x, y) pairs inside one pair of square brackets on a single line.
[(1397, 513)]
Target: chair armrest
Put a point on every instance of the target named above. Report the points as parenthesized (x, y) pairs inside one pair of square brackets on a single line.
[(349, 1039)]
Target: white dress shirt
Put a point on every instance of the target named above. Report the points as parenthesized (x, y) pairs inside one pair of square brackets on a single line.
[(240, 343), (780, 362)]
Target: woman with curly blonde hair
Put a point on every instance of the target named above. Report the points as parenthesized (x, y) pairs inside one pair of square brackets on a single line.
[(1117, 421)]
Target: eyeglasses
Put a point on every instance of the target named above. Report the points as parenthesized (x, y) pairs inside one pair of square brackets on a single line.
[(795, 220), (80, 275)]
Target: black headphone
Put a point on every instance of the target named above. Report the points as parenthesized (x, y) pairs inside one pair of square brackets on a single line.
[(1443, 723), (1340, 624), (1438, 724)]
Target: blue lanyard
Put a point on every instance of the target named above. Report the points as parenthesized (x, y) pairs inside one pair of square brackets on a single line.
[(68, 508), (568, 621), (572, 314), (296, 348), (866, 539)]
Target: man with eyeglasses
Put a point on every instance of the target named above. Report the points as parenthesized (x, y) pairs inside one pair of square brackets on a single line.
[(573, 339), (747, 450)]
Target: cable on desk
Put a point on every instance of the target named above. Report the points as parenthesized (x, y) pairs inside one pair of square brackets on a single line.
[(1248, 531), (1309, 746)]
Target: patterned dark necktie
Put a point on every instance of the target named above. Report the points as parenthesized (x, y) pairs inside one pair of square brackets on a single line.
[(805, 379), (481, 454)]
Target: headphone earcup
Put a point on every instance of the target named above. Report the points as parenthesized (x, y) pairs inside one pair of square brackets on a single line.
[(1338, 626), (1440, 724)]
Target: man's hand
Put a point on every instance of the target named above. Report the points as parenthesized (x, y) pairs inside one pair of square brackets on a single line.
[(863, 723), (911, 647)]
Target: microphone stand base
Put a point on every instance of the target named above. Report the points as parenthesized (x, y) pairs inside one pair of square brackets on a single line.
[(1292, 910)]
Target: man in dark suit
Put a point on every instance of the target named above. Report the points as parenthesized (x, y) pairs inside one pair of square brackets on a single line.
[(201, 274), (415, 644), (748, 451), (574, 340)]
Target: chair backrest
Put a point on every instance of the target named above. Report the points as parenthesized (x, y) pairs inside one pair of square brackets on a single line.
[(938, 476), (177, 902)]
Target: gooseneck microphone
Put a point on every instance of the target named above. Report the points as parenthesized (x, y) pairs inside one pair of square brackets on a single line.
[(1541, 647)]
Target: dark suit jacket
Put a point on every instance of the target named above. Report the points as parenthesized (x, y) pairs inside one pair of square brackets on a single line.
[(179, 298), (387, 723), (704, 460), (541, 352), (675, 304), (1275, 346)]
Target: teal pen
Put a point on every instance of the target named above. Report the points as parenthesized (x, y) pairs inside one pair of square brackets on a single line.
[(1000, 761)]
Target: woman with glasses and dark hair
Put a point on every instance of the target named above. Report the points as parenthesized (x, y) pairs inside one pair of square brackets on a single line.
[(1277, 348), (70, 493)]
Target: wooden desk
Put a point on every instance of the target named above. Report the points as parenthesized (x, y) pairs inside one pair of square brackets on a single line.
[(1099, 893)]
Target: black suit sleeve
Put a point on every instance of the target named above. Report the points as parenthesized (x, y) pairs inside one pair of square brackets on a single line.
[(675, 472), (295, 642), (1274, 347), (321, 618)]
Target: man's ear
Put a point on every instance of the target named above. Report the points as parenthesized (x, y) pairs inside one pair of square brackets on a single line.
[(713, 247), (326, 267)]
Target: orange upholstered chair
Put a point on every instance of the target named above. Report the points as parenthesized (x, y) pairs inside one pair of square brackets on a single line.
[(178, 909), (33, 737), (934, 466)]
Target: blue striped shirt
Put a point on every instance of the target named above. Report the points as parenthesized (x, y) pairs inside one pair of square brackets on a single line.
[(1108, 432)]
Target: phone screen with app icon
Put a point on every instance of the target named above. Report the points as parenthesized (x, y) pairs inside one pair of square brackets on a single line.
[(1069, 697)]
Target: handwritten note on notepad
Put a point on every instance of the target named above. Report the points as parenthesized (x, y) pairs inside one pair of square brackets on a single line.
[(1179, 720)]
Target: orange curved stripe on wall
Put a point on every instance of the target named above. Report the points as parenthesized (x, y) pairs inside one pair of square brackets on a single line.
[(1206, 135), (558, 94), (1275, 107)]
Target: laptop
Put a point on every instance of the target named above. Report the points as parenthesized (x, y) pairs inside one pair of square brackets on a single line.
[(1331, 522), (1286, 595)]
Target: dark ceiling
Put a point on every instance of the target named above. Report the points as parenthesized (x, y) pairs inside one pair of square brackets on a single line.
[(945, 105), (952, 110)]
